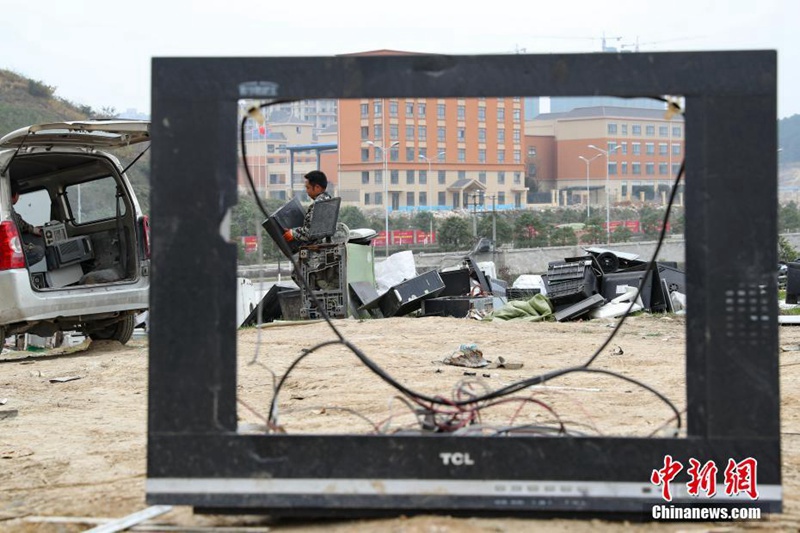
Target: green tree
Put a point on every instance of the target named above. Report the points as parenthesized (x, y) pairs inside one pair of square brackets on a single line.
[(622, 234), (527, 230), (563, 236), (594, 234), (454, 233), (786, 251), (788, 218), (422, 220), (505, 232), (352, 217), (650, 222)]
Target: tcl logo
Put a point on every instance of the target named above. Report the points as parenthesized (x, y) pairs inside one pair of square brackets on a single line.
[(456, 459)]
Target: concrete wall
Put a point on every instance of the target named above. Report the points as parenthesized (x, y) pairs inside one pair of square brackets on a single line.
[(535, 260)]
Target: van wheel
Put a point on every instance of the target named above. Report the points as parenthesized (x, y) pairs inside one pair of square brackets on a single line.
[(120, 331)]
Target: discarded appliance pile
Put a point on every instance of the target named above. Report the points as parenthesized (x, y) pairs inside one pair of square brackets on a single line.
[(604, 284)]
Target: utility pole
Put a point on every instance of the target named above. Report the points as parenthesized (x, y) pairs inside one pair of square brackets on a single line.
[(494, 224)]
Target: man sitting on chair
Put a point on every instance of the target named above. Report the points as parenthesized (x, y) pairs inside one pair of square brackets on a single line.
[(316, 183)]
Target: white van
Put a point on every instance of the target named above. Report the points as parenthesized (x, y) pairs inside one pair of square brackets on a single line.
[(74, 248)]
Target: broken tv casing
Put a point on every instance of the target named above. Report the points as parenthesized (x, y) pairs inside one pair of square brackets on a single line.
[(197, 458)]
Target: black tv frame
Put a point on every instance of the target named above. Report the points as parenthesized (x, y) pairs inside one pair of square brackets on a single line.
[(195, 455)]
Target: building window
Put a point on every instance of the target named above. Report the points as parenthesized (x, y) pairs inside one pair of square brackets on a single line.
[(409, 153), (676, 149), (409, 132), (517, 178), (501, 198), (481, 155), (442, 177), (270, 148), (517, 200), (394, 153), (624, 149), (650, 148), (501, 114), (423, 153), (423, 177), (676, 131), (650, 168), (364, 133), (482, 114), (611, 147), (378, 198), (624, 188), (440, 111), (364, 110), (394, 177), (501, 156), (516, 115), (636, 129), (516, 135), (462, 174), (394, 134), (462, 134), (662, 148), (482, 177), (612, 168), (423, 133), (366, 198), (662, 169), (393, 109), (663, 131), (501, 178), (378, 177), (440, 133), (501, 135), (676, 167), (531, 151), (612, 128), (410, 198), (364, 154), (462, 155), (409, 109), (420, 112), (423, 198), (624, 169), (650, 130), (377, 108), (637, 148), (364, 177), (481, 134), (624, 128), (517, 156), (409, 177), (441, 198), (636, 168), (462, 112), (377, 131)]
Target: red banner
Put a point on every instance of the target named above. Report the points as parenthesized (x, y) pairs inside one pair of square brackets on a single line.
[(250, 244), (405, 237)]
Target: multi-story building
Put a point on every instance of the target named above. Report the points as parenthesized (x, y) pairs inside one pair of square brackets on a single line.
[(638, 152), (271, 158), (435, 153), (320, 113), (561, 104)]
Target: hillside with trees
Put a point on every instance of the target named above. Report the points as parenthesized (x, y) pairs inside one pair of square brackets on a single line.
[(24, 101)]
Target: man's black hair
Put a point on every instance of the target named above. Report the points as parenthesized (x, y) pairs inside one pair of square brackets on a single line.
[(14, 187), (317, 177)]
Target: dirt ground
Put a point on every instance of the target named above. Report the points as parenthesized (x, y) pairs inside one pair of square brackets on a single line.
[(77, 448)]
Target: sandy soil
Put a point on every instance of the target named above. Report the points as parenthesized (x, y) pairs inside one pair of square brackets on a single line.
[(77, 448)]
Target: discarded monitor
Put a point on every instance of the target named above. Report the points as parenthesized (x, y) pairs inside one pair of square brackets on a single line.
[(195, 455)]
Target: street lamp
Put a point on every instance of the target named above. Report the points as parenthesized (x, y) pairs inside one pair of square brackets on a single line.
[(608, 205), (588, 194), (385, 185), (425, 158)]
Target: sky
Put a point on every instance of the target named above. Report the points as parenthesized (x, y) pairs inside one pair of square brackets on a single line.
[(98, 53)]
